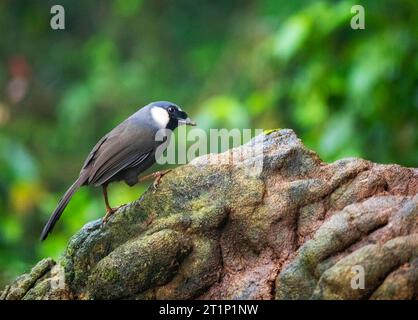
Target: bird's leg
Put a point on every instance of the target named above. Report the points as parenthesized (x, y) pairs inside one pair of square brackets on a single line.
[(157, 177), (109, 209)]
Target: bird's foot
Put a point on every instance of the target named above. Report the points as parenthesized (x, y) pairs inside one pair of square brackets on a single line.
[(109, 212), (157, 177)]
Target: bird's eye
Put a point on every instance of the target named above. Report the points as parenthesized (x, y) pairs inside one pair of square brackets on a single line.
[(171, 109)]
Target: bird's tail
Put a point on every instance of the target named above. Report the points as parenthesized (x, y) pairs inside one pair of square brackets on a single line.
[(60, 207)]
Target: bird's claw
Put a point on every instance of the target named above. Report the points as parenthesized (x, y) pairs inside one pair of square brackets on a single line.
[(158, 175), (109, 212)]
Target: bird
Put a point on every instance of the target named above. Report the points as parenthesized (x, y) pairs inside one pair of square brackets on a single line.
[(124, 153)]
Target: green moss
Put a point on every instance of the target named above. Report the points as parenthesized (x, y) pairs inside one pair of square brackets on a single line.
[(138, 264)]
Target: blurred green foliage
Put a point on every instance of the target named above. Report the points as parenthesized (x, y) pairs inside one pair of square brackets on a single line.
[(233, 64)]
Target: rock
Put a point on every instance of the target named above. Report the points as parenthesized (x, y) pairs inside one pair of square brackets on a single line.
[(268, 220), (44, 281)]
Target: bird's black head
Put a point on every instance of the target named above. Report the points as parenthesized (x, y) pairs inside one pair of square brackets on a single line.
[(169, 115)]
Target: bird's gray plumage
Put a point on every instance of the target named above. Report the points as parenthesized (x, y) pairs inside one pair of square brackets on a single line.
[(122, 154), (125, 148)]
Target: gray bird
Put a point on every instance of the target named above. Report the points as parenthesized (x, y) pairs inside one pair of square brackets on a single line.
[(124, 153)]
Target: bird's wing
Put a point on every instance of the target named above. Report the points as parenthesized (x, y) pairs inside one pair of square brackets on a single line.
[(111, 168), (126, 146), (93, 152)]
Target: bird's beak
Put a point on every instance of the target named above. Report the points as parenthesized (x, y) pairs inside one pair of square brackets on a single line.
[(187, 122)]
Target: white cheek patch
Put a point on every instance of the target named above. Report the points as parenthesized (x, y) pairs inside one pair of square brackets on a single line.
[(160, 116)]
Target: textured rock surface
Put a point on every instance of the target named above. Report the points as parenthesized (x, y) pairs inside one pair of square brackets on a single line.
[(298, 229)]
